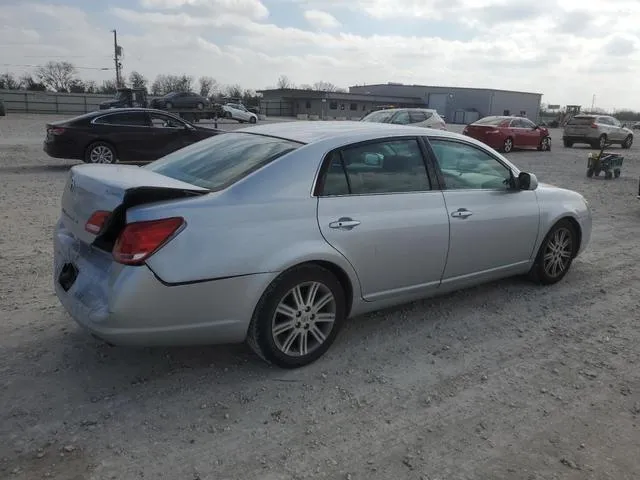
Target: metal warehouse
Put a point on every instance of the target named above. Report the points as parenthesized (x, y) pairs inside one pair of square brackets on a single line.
[(313, 104), (454, 104), (460, 104)]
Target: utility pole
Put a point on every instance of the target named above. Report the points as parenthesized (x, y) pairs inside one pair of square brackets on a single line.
[(117, 52), (593, 102)]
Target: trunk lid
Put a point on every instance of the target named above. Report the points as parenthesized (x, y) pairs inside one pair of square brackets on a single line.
[(480, 131), (112, 188), (579, 125)]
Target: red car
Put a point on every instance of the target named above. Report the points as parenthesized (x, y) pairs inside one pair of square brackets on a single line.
[(506, 133)]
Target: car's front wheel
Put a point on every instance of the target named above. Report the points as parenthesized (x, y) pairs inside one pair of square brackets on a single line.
[(252, 120), (628, 142), (298, 317), (168, 105), (545, 144), (100, 152), (556, 253)]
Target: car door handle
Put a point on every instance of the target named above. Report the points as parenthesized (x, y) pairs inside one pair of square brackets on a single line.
[(344, 223), (461, 213)]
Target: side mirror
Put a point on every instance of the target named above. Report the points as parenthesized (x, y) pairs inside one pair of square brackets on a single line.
[(536, 127), (527, 181)]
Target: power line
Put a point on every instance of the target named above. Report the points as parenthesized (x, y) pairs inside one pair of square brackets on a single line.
[(36, 66)]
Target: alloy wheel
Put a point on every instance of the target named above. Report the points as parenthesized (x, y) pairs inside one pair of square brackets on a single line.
[(508, 145), (304, 319), (101, 154), (546, 144), (558, 252), (603, 141)]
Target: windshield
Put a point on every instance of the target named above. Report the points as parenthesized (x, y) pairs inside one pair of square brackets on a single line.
[(220, 161), (491, 121), (381, 116)]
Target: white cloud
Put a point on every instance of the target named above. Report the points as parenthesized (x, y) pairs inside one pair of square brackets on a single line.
[(567, 49), (321, 19)]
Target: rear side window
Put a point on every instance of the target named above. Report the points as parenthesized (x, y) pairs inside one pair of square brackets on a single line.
[(220, 161), (393, 166), (381, 116), (124, 118), (418, 116), (491, 121)]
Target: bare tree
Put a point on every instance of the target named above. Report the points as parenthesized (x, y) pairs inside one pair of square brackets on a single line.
[(57, 76), (137, 80), (77, 86), (9, 82), (284, 82), (322, 86), (208, 86), (164, 84), (305, 86), (29, 83), (108, 86), (233, 91)]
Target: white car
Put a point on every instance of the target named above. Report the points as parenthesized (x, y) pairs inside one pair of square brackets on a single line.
[(416, 117), (238, 112)]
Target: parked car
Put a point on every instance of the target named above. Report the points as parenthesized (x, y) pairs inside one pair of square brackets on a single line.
[(635, 126), (180, 100), (276, 234), (597, 131), (239, 112), (418, 117), (125, 135), (505, 133)]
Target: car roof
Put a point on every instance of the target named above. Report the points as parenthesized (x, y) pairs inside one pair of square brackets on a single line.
[(311, 132), (111, 111), (408, 109)]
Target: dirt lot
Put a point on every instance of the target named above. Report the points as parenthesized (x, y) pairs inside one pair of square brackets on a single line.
[(505, 381)]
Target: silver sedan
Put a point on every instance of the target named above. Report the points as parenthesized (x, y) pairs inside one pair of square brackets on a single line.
[(276, 234)]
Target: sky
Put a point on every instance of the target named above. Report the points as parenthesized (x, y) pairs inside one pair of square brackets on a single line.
[(568, 50)]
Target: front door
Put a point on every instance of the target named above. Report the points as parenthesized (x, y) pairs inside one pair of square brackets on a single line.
[(377, 209), (170, 134), (524, 134), (493, 229)]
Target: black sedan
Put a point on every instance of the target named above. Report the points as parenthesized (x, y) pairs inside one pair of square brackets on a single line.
[(124, 135), (180, 100)]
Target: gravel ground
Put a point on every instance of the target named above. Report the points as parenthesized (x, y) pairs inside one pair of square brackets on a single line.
[(504, 381)]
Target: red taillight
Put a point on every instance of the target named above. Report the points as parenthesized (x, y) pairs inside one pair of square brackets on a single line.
[(139, 240), (96, 221), (594, 125), (55, 130)]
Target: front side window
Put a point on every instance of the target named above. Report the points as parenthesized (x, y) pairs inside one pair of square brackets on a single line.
[(466, 167), (526, 123), (220, 161), (159, 120), (392, 166)]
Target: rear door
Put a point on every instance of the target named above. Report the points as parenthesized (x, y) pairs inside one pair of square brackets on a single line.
[(377, 208), (129, 132), (493, 229), (617, 133)]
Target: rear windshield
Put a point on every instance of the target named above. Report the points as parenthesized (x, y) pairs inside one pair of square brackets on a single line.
[(381, 116), (581, 121), (490, 121), (217, 162)]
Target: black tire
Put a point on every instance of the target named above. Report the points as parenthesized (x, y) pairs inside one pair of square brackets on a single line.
[(608, 175), (616, 173), (567, 143), (260, 336), (590, 172), (538, 270), (92, 153), (545, 144), (507, 146), (252, 120), (168, 105), (627, 142), (602, 141)]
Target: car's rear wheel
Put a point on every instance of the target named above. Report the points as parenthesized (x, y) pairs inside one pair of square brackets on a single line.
[(545, 144), (507, 146), (252, 120), (298, 317), (100, 152), (556, 253), (628, 142), (168, 105)]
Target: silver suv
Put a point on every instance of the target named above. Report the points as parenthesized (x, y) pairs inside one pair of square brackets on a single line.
[(597, 131)]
